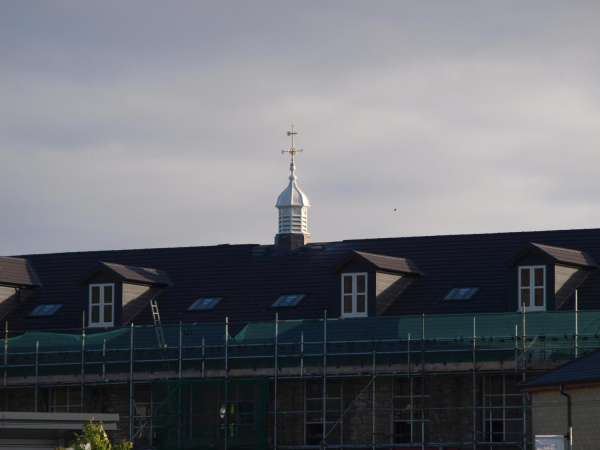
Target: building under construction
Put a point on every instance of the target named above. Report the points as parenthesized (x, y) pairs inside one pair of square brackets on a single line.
[(395, 382), (416, 342)]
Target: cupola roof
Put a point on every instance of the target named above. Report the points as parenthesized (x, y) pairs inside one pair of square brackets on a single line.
[(292, 195)]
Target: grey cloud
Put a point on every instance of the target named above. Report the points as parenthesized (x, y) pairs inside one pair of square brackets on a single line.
[(142, 124)]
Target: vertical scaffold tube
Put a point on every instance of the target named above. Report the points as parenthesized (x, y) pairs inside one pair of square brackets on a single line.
[(576, 342), (325, 378), (276, 369), (179, 369), (408, 355), (5, 364), (373, 405), (103, 360), (226, 377), (82, 363), (131, 384), (203, 355), (523, 376), (302, 354), (474, 385), (37, 353), (422, 382)]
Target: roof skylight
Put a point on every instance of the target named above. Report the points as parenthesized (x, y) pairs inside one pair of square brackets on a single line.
[(46, 310), (288, 300), (205, 304), (462, 293)]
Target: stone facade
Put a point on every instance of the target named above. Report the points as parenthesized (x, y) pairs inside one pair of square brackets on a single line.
[(550, 415)]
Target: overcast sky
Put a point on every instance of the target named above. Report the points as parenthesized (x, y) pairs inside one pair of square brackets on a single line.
[(160, 124)]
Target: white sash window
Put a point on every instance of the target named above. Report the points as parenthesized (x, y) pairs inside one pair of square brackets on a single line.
[(354, 295), (532, 288), (102, 305)]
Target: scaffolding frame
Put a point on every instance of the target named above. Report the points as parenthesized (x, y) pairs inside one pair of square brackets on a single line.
[(526, 353)]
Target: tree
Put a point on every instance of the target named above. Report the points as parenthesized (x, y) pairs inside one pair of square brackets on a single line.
[(94, 438)]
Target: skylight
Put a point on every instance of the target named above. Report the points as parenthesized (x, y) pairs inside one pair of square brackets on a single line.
[(205, 304), (46, 310), (462, 293), (288, 300)]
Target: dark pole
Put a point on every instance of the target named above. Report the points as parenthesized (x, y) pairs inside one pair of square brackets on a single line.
[(569, 434)]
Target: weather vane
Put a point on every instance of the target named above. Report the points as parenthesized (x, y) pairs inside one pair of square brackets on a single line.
[(292, 151)]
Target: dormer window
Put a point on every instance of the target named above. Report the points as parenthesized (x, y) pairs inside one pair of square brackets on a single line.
[(102, 301), (354, 295), (532, 288)]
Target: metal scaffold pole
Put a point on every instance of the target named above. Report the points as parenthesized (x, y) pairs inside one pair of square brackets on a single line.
[(422, 382), (474, 385), (576, 340), (226, 418), (82, 361), (5, 365), (302, 354), (37, 355), (179, 369), (276, 369), (131, 384), (203, 355), (373, 398), (325, 378), (523, 375)]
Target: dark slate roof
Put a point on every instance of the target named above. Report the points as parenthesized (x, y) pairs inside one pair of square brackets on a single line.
[(16, 272), (143, 275), (557, 255), (583, 370), (376, 262), (252, 280)]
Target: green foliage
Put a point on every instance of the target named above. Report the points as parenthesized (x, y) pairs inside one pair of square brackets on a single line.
[(94, 438)]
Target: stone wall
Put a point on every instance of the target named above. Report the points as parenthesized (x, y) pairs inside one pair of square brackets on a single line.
[(550, 415)]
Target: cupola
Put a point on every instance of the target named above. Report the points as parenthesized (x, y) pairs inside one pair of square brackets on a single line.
[(293, 207)]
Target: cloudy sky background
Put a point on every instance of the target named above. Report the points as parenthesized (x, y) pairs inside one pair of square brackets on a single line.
[(152, 124)]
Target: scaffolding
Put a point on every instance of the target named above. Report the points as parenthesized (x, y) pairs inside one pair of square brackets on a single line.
[(443, 381)]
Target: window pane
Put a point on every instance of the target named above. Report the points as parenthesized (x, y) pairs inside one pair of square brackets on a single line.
[(539, 276), (108, 294), (107, 313), (525, 297), (347, 284), (525, 277), (95, 294), (95, 314), (539, 297), (361, 281), (451, 294), (348, 304), (360, 303)]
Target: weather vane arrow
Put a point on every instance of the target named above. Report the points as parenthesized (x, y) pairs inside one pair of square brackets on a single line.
[(292, 151)]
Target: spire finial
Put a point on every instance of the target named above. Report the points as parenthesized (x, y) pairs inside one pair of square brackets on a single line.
[(292, 151)]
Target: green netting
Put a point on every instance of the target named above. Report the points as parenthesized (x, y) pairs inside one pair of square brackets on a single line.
[(203, 413), (396, 340)]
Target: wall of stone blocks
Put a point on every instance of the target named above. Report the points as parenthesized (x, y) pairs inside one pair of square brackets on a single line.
[(550, 415)]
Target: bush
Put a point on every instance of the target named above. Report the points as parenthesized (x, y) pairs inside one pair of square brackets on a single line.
[(94, 438)]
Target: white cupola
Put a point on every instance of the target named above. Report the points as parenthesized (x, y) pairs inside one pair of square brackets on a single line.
[(293, 207)]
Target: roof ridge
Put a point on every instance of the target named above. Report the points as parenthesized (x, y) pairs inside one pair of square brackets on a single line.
[(558, 248), (125, 265), (379, 254)]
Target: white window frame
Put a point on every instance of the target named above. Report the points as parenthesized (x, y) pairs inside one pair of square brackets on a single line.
[(531, 288), (103, 323), (417, 404), (354, 294)]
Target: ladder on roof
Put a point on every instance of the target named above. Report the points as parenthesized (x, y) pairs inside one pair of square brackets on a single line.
[(157, 324)]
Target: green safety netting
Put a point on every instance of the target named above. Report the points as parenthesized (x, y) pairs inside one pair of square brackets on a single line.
[(204, 413), (447, 338)]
